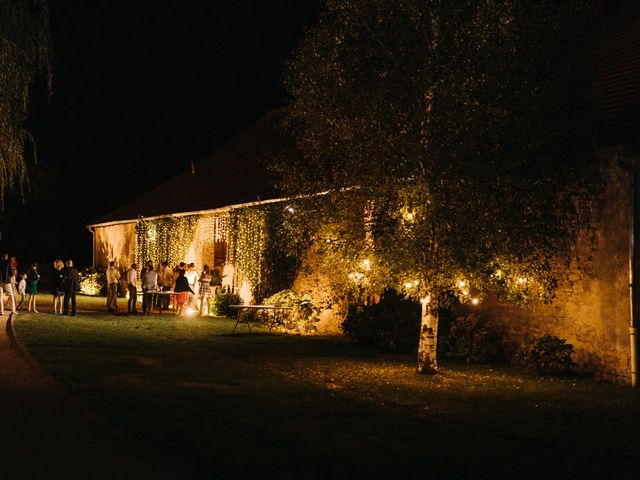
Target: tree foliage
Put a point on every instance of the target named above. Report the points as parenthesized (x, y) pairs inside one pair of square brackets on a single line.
[(25, 54), (460, 131), (464, 127)]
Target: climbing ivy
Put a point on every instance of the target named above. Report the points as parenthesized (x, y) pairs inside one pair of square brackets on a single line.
[(166, 238)]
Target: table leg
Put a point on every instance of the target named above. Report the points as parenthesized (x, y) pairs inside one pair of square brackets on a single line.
[(240, 320)]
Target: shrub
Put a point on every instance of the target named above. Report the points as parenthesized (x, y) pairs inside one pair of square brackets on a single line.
[(300, 319), (221, 304), (473, 340), (92, 281), (392, 325), (546, 354)]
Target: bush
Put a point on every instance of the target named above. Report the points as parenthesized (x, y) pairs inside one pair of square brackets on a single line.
[(473, 340), (221, 304), (546, 354), (300, 319), (92, 281), (392, 325)]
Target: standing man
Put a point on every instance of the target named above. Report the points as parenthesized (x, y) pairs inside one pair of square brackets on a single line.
[(71, 284), (113, 278), (6, 273), (149, 285), (132, 280), (166, 282)]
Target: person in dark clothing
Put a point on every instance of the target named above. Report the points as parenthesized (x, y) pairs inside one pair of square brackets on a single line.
[(71, 286), (58, 286), (5, 283), (32, 286), (182, 290)]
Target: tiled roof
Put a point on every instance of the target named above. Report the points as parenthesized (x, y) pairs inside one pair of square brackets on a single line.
[(617, 83), (235, 174)]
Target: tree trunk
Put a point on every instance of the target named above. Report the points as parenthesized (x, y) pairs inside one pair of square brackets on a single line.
[(427, 347)]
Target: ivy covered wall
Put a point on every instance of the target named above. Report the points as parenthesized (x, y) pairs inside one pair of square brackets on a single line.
[(259, 241), (168, 238)]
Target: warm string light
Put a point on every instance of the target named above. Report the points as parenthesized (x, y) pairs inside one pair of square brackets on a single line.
[(247, 241), (220, 228), (167, 238), (356, 276), (464, 288), (243, 231)]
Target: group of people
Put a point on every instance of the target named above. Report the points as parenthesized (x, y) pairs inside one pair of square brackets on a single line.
[(190, 289), (66, 283)]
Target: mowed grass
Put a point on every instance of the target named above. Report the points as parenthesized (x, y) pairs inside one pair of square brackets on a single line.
[(216, 405)]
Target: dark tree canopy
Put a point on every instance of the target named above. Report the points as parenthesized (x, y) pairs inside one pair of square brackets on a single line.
[(472, 117), (460, 131), (25, 54)]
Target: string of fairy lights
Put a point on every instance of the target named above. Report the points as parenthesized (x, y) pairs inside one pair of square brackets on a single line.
[(171, 238), (167, 238), (246, 244)]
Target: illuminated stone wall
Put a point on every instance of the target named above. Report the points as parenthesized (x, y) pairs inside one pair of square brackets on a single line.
[(591, 309), (317, 282), (115, 242)]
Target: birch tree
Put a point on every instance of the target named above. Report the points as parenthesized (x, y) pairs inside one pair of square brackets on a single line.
[(452, 142)]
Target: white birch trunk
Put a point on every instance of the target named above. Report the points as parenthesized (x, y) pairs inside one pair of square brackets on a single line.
[(428, 343)]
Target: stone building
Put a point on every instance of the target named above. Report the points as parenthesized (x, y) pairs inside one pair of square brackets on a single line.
[(186, 218), (592, 305)]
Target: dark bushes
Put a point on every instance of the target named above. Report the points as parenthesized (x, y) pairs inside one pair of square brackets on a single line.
[(221, 304), (546, 354), (392, 325), (472, 339)]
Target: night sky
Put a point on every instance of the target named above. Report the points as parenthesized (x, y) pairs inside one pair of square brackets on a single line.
[(141, 89)]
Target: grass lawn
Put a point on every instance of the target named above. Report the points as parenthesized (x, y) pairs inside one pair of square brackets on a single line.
[(217, 405)]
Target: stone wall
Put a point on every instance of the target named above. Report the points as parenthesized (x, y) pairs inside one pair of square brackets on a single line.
[(115, 242), (313, 279), (591, 308)]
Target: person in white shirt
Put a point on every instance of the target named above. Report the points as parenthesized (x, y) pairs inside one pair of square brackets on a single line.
[(132, 281), (149, 285), (113, 278), (22, 290), (192, 277)]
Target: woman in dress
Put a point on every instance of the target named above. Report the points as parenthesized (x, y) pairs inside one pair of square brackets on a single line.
[(205, 290), (32, 286), (58, 286)]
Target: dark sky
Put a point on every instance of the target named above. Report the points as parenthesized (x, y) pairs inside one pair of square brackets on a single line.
[(141, 89)]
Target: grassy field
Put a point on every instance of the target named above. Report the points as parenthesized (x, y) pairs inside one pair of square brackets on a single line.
[(217, 405)]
